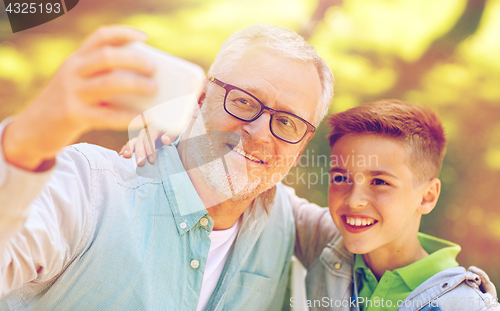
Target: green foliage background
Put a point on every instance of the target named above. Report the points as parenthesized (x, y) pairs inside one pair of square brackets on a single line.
[(444, 54)]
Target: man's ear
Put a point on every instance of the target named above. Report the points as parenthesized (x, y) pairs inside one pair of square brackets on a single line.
[(201, 99), (430, 196), (203, 93), (305, 142)]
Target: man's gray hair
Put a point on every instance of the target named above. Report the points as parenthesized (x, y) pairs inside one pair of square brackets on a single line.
[(287, 43)]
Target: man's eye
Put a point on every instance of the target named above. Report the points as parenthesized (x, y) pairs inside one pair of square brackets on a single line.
[(243, 102), (286, 122), (340, 179), (380, 182)]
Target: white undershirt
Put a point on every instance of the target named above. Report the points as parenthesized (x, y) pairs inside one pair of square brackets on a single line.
[(217, 257)]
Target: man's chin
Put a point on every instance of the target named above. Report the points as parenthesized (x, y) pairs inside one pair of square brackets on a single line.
[(234, 186)]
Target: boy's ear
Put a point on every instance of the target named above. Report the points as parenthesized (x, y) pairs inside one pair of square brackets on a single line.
[(306, 141), (430, 196)]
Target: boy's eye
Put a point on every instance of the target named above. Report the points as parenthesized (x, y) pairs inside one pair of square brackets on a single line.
[(379, 182)]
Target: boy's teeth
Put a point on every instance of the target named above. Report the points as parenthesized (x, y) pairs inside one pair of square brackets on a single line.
[(354, 221)]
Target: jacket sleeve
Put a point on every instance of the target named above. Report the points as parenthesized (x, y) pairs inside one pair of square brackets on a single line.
[(42, 220), (314, 228)]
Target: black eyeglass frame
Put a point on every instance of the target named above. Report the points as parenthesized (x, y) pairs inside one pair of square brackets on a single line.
[(228, 87)]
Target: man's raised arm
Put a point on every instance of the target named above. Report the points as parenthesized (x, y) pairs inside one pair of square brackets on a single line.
[(76, 100)]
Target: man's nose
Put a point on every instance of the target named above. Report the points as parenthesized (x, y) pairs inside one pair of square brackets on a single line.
[(259, 129), (356, 198)]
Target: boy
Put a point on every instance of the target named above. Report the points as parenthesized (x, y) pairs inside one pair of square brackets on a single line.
[(385, 160)]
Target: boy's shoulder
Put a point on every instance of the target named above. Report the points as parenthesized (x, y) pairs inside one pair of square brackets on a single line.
[(452, 289)]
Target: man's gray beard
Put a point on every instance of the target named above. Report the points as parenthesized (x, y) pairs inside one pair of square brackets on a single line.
[(242, 189), (215, 175)]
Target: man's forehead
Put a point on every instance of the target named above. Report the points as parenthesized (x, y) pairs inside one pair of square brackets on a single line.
[(279, 82)]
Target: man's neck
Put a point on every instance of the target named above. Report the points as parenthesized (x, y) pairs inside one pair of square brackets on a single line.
[(223, 215), (389, 258)]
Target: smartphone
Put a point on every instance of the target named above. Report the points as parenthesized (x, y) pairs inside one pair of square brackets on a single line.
[(179, 86)]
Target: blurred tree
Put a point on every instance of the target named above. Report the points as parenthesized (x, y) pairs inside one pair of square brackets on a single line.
[(448, 75), (319, 14), (440, 53)]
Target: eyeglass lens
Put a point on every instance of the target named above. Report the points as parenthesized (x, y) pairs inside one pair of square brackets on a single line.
[(246, 107)]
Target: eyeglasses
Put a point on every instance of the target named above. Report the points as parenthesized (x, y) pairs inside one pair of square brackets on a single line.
[(246, 107)]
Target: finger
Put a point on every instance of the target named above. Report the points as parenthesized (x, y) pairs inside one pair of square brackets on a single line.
[(149, 143), (148, 137), (489, 287), (128, 148), (486, 284), (166, 140), (155, 133), (105, 87), (140, 148), (109, 58), (112, 35), (141, 163), (123, 148), (480, 272)]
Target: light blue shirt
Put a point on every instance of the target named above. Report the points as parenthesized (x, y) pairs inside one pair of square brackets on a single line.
[(128, 240)]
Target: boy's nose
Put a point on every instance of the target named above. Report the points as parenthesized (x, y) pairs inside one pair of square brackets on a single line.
[(356, 197), (259, 129)]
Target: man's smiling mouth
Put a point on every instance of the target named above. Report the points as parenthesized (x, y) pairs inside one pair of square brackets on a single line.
[(246, 155)]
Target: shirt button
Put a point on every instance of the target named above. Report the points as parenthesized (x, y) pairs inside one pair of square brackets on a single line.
[(204, 221), (195, 264), (183, 225), (337, 266)]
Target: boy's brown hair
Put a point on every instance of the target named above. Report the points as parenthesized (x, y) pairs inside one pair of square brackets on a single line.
[(418, 127)]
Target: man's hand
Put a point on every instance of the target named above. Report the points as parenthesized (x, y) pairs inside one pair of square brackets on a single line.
[(486, 285), (144, 145), (78, 98)]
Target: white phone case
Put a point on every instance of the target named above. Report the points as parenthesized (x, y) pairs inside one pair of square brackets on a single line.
[(179, 86)]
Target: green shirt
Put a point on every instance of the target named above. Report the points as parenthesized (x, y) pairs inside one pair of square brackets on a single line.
[(396, 285)]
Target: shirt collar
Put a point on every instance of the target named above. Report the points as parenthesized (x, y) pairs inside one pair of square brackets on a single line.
[(442, 255), (366, 275), (187, 207)]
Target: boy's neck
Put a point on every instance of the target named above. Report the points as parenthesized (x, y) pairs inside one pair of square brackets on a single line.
[(391, 258)]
